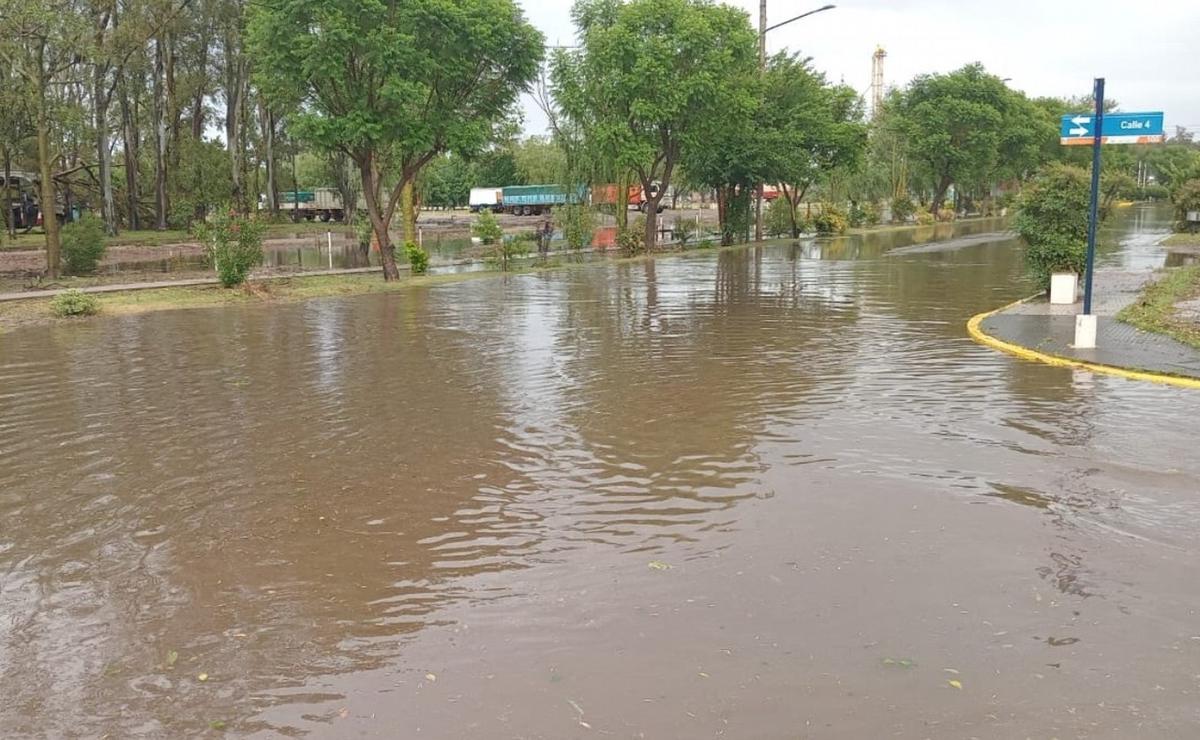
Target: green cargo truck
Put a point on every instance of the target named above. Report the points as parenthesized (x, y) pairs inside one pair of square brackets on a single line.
[(534, 200)]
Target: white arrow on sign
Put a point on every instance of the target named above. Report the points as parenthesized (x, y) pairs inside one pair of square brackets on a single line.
[(1081, 120), (1079, 132)]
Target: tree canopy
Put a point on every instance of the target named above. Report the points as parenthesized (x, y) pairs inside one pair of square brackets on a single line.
[(653, 79), (391, 84)]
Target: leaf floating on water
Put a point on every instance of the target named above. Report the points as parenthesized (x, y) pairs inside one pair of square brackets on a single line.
[(950, 670), (217, 724), (703, 674), (584, 725), (659, 565), (955, 683), (431, 677), (202, 677), (902, 662), (343, 713), (172, 657)]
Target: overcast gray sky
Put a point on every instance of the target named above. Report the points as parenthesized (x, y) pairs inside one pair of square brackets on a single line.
[(1147, 51)]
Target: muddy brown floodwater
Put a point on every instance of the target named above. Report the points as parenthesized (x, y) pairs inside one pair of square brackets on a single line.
[(769, 493)]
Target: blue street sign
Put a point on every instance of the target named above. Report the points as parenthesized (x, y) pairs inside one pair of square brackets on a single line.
[(1078, 129)]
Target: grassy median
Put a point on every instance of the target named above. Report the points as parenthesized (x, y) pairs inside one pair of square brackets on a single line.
[(1156, 310), (36, 311)]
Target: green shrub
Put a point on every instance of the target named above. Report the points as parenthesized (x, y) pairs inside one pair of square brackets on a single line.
[(830, 221), (234, 245), (924, 217), (1154, 191), (778, 219), (902, 209), (706, 244), (1186, 198), (507, 249), (487, 228), (632, 239), (83, 245), (418, 258), (74, 303), (578, 224), (863, 214), (1052, 218), (685, 231), (364, 231)]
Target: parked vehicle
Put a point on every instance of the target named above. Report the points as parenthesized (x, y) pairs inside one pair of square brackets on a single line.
[(489, 199), (24, 205), (324, 204), (534, 200), (606, 195)]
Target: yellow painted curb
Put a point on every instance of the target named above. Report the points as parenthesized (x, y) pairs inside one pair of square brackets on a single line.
[(975, 329)]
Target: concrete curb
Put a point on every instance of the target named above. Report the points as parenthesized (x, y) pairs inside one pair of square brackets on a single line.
[(975, 329)]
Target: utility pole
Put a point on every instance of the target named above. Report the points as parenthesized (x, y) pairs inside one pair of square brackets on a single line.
[(763, 29), (762, 70)]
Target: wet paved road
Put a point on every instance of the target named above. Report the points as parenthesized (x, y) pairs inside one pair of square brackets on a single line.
[(771, 493)]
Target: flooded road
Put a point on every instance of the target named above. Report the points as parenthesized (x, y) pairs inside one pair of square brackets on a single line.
[(765, 493)]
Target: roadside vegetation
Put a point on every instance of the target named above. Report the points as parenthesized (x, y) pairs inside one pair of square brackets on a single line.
[(1157, 309), (109, 109)]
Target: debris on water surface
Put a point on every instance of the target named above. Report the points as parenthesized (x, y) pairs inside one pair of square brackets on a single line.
[(901, 662), (202, 677), (172, 657), (955, 683), (431, 677), (659, 565)]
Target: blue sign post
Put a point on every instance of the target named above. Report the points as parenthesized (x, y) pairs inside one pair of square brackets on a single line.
[(1097, 129), (1079, 129), (1097, 126)]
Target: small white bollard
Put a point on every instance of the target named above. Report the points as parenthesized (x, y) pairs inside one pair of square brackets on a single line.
[(1064, 288), (1085, 331), (329, 241)]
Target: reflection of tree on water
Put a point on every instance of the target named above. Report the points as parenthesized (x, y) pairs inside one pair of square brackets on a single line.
[(270, 508), (666, 381)]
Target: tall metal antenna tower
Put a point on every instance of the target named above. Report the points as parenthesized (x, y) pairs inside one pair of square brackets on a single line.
[(877, 62)]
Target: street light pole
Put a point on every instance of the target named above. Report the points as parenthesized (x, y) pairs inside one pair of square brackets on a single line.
[(763, 29), (762, 71)]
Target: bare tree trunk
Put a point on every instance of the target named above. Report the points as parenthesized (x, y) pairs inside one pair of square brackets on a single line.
[(234, 100), (108, 204), (387, 251), (623, 200), (652, 219), (160, 137), (102, 99), (268, 127), (408, 212), (48, 202), (342, 176), (9, 222), (129, 125), (200, 208), (939, 195)]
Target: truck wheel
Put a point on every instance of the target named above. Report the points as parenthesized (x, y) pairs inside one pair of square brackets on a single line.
[(525, 211)]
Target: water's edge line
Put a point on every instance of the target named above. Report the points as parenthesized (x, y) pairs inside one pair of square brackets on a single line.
[(974, 328)]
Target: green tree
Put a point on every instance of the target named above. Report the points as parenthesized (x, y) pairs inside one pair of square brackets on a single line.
[(393, 84), (43, 41), (540, 161), (809, 129), (968, 128), (651, 80), (446, 182)]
